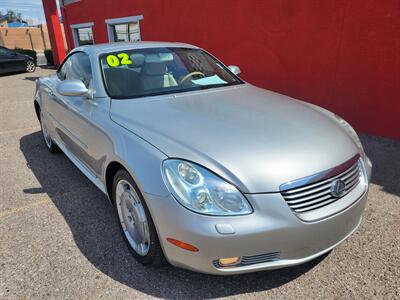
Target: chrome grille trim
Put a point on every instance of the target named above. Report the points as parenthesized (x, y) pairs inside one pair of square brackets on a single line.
[(252, 260), (320, 177), (316, 195), (310, 189)]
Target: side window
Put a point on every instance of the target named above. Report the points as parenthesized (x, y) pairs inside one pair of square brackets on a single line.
[(4, 52), (77, 66)]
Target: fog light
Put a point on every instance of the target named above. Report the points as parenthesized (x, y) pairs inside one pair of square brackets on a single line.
[(230, 261)]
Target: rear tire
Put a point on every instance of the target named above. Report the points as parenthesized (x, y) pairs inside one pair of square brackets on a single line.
[(50, 145), (135, 221), (30, 66)]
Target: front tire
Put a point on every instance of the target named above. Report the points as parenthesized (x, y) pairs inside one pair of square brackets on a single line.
[(30, 66), (50, 145), (135, 221)]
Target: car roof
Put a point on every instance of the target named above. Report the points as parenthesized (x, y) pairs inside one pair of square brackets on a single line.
[(118, 46)]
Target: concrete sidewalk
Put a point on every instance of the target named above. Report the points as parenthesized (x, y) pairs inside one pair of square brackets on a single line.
[(59, 237)]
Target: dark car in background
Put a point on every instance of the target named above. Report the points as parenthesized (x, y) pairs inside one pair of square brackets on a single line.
[(12, 61)]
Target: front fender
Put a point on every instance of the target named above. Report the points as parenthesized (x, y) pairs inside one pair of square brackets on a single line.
[(141, 159)]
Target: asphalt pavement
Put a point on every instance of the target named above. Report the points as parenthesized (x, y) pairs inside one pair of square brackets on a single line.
[(59, 237)]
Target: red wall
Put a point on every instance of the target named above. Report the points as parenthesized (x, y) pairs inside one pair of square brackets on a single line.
[(340, 54)]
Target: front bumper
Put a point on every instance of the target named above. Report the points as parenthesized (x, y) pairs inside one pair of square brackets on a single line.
[(272, 228)]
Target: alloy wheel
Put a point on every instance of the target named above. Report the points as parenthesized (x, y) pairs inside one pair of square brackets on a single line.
[(30, 66), (132, 217)]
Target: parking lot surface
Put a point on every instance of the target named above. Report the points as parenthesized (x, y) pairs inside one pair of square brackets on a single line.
[(59, 237)]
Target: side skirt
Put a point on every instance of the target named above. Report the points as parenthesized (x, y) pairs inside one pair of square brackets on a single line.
[(96, 181)]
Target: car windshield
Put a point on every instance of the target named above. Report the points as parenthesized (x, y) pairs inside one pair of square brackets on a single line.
[(158, 71)]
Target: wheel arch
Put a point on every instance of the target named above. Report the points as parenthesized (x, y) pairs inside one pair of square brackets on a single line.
[(37, 109), (111, 170)]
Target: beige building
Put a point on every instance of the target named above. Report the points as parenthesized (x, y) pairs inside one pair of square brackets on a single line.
[(34, 37)]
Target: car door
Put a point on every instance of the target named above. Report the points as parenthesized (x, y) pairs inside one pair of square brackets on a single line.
[(6, 60), (19, 61), (73, 116)]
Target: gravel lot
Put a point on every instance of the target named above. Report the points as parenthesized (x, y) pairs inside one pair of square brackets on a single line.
[(59, 237)]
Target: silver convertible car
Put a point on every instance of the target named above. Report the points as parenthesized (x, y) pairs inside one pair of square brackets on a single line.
[(204, 170)]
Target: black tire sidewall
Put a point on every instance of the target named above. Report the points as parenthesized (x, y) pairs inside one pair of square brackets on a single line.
[(53, 148)]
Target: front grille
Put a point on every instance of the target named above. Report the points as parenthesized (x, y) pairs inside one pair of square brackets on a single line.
[(253, 259), (318, 194)]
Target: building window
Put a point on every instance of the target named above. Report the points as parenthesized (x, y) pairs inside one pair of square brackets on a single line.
[(83, 34), (124, 29), (128, 32)]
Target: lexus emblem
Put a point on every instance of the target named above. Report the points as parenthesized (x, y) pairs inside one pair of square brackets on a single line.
[(337, 188)]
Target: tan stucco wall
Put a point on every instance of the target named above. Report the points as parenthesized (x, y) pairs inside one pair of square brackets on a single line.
[(26, 37)]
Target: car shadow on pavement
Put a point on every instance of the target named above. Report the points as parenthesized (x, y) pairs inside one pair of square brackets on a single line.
[(48, 67), (385, 156), (11, 73), (94, 226), (31, 78)]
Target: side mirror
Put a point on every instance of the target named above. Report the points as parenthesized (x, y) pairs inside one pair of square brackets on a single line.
[(234, 69), (73, 88)]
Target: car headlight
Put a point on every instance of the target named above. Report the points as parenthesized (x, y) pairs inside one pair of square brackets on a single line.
[(351, 132), (201, 191)]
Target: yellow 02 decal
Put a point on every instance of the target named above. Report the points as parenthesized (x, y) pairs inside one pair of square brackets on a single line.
[(112, 60), (119, 59), (125, 59)]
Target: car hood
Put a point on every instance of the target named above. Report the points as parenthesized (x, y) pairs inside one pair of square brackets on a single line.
[(255, 139)]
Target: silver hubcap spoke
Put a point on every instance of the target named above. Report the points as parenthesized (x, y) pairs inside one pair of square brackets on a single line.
[(132, 216), (30, 66)]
